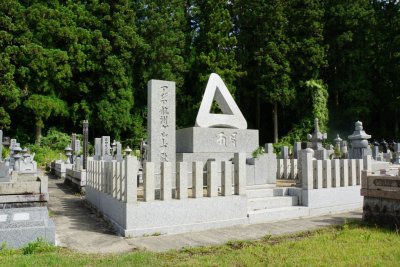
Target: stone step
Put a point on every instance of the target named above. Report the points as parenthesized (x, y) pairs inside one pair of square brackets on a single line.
[(265, 192), (260, 186), (278, 214), (271, 202)]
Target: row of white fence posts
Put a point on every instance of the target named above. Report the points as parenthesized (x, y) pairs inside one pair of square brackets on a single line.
[(287, 169), (119, 178), (316, 174)]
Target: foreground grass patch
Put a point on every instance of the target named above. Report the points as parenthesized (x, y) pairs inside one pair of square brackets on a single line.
[(349, 245)]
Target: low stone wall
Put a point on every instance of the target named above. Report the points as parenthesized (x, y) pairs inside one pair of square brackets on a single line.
[(330, 185), (76, 178), (381, 198), (59, 169), (112, 189)]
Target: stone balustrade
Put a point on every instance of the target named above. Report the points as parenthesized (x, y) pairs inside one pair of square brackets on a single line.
[(330, 173), (119, 179), (287, 169)]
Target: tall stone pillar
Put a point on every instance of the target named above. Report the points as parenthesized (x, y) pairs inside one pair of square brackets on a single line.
[(161, 123), (85, 151)]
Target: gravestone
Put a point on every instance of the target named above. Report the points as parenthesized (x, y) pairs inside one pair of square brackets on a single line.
[(106, 148), (118, 155), (375, 150), (316, 140), (161, 122), (85, 143), (73, 142), (77, 147), (97, 148), (217, 137)]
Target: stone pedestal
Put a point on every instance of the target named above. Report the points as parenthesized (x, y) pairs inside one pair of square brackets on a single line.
[(217, 140)]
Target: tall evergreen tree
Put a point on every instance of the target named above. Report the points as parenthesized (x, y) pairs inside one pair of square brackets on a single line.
[(262, 27), (348, 33), (163, 27), (214, 46)]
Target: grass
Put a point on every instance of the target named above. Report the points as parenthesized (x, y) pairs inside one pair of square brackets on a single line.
[(348, 245)]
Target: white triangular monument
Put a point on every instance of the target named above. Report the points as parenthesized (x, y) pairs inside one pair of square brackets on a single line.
[(232, 117)]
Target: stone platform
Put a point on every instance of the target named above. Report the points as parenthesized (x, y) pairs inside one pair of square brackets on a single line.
[(19, 226)]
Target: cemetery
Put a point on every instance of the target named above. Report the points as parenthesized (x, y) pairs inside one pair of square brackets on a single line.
[(203, 177), (199, 133)]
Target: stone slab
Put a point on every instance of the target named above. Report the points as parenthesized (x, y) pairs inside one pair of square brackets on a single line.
[(223, 140), (19, 226), (332, 197), (161, 121)]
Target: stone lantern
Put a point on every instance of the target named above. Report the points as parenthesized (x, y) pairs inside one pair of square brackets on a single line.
[(359, 142), (17, 157), (128, 151), (68, 153)]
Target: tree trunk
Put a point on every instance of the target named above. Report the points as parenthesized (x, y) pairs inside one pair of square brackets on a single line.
[(39, 126), (275, 119)]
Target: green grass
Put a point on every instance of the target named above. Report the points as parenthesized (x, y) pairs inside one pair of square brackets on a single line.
[(350, 245)]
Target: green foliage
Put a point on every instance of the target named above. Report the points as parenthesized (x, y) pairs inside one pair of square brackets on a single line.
[(43, 154), (349, 245), (319, 97), (56, 140), (259, 151), (5, 152), (65, 61), (38, 246)]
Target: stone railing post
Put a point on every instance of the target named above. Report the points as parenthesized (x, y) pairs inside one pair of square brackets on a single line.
[(326, 173), (226, 182), (240, 173), (148, 181), (166, 181), (307, 171), (344, 172), (181, 180), (212, 176), (317, 174), (197, 179), (130, 173)]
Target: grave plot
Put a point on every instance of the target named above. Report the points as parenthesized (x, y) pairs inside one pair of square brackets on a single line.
[(23, 200), (206, 176)]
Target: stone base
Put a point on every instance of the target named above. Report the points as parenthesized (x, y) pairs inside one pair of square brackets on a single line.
[(76, 178), (169, 217), (382, 211), (220, 140), (19, 226)]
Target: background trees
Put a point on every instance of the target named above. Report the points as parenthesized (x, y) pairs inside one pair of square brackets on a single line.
[(285, 62)]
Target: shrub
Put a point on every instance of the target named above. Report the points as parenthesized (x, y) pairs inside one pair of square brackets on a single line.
[(55, 140)]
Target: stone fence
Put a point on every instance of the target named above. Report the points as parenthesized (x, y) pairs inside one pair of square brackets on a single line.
[(133, 210), (287, 169), (119, 179), (317, 174)]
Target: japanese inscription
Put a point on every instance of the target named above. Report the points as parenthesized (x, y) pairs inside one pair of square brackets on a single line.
[(223, 140), (161, 121)]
